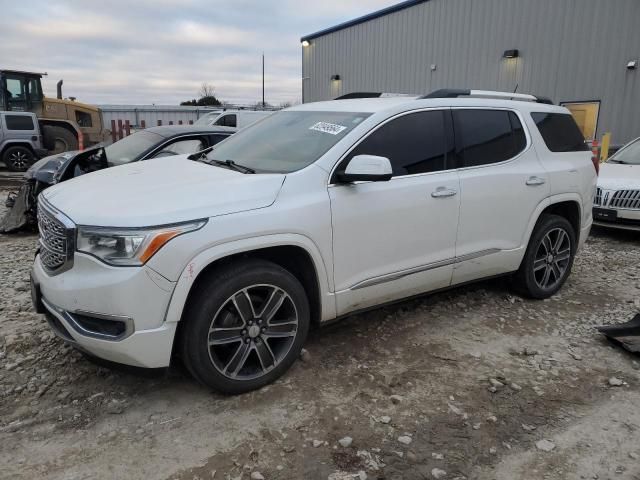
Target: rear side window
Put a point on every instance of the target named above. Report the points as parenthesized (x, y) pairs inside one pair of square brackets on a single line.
[(560, 132), (19, 122), (487, 136), (413, 143)]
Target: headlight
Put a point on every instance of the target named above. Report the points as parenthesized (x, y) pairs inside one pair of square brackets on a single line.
[(129, 246)]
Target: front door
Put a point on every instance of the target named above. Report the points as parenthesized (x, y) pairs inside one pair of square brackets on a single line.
[(396, 238)]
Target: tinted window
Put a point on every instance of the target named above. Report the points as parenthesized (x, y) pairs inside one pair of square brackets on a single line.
[(19, 122), (487, 136), (560, 132), (214, 139), (414, 143), (227, 121)]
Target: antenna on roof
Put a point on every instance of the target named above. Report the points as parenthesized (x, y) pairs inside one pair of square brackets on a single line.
[(515, 89)]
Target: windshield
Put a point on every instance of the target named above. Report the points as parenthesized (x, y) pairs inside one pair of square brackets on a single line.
[(130, 148), (206, 119), (629, 154), (287, 141)]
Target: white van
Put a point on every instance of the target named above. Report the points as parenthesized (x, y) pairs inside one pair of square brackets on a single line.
[(232, 118)]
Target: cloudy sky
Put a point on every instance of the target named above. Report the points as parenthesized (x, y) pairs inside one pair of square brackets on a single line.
[(161, 51)]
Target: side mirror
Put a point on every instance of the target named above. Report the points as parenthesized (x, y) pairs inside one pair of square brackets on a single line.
[(366, 168)]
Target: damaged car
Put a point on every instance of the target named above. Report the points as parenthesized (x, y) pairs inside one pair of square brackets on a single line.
[(146, 144)]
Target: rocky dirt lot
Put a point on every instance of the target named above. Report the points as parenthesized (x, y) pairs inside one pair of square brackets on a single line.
[(474, 383)]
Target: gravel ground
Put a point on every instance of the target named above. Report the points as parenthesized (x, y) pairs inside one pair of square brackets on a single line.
[(474, 383)]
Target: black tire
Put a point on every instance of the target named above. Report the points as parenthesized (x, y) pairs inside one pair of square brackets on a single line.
[(18, 158), (58, 139), (214, 300), (537, 265)]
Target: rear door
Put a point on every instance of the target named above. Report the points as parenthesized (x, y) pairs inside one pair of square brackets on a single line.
[(397, 238), (21, 126), (501, 182)]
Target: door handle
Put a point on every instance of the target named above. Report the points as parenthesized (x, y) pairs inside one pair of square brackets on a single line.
[(442, 192), (534, 181)]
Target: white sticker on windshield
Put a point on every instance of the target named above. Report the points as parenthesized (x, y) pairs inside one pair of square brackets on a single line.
[(326, 127)]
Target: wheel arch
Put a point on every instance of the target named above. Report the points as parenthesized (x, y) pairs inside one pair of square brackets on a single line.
[(66, 124), (16, 143), (295, 253), (567, 205)]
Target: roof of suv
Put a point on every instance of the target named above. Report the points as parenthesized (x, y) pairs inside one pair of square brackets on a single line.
[(373, 105)]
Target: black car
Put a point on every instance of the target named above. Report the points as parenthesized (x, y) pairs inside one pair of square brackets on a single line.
[(146, 144)]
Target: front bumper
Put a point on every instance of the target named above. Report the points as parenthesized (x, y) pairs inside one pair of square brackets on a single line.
[(113, 313), (619, 218)]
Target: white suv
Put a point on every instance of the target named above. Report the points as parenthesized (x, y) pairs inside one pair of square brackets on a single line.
[(314, 213)]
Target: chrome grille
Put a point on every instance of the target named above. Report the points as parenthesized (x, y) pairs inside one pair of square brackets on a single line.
[(627, 199), (57, 235), (597, 200)]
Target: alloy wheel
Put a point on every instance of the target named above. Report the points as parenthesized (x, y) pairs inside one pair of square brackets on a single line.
[(19, 160), (552, 258), (252, 332)]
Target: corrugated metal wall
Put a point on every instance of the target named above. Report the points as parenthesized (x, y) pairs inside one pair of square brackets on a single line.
[(570, 50), (151, 114)]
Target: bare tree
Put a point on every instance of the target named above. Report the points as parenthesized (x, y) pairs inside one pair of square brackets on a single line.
[(206, 90)]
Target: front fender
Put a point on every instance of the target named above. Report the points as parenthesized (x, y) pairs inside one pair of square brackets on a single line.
[(202, 260)]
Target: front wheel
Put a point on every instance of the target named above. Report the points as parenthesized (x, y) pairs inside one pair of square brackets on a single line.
[(246, 324), (549, 257)]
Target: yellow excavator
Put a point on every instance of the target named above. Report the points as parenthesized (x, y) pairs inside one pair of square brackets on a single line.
[(65, 124)]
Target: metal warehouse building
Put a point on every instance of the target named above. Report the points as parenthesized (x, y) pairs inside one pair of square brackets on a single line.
[(580, 53)]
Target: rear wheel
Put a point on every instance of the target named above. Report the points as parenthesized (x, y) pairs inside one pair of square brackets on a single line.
[(58, 139), (18, 159), (245, 326), (549, 257)]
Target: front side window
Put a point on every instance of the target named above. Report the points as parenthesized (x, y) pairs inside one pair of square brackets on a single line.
[(83, 119), (560, 132), (287, 140), (187, 146), (19, 122), (413, 143), (487, 136), (629, 154), (215, 139), (132, 147), (16, 93), (227, 121)]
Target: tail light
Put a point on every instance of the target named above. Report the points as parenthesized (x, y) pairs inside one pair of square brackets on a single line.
[(595, 156)]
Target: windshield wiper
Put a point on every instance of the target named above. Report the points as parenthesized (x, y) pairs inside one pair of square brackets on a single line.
[(233, 166), (200, 154), (617, 161)]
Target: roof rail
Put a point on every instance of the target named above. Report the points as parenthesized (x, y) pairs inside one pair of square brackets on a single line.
[(352, 95), (457, 92)]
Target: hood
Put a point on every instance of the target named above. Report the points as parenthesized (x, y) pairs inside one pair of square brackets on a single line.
[(617, 176), (161, 191), (44, 169)]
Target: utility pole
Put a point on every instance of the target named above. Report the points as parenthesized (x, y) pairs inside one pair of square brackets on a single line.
[(263, 104)]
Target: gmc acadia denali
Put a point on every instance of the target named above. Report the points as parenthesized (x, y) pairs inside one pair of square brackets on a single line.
[(311, 214)]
